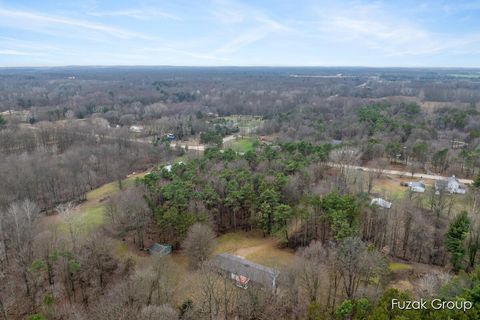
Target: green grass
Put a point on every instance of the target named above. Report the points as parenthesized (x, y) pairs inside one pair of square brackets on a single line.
[(240, 145), (91, 213), (397, 266), (103, 191), (112, 188), (88, 219)]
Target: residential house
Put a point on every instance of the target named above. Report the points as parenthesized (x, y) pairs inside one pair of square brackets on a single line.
[(451, 185), (244, 272)]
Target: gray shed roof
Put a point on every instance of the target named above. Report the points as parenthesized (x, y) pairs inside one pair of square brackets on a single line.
[(417, 184), (257, 273), (159, 249)]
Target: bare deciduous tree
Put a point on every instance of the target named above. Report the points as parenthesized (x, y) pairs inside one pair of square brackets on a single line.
[(199, 244)]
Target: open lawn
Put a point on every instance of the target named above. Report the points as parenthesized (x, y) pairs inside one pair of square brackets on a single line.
[(89, 215), (241, 145), (253, 246), (113, 187), (84, 219), (397, 266)]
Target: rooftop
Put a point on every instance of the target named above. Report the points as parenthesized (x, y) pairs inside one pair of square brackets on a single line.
[(242, 267)]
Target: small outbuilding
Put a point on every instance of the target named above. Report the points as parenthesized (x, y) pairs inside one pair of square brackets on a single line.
[(136, 129), (417, 186), (244, 272), (169, 167), (381, 203), (159, 250)]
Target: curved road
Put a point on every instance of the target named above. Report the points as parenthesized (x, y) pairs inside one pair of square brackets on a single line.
[(400, 173), (405, 174)]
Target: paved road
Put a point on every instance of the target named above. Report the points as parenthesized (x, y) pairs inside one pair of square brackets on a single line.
[(368, 169), (405, 174), (402, 173)]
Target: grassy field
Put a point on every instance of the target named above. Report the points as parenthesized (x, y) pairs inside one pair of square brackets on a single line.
[(253, 246), (84, 219), (90, 215), (113, 187), (240, 145), (397, 266)]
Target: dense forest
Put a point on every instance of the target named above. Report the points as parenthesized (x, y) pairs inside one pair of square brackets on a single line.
[(307, 171)]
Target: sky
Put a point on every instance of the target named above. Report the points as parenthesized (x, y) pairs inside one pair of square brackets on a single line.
[(240, 33)]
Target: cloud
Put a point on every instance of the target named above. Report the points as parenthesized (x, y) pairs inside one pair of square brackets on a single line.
[(244, 39), (139, 14), (249, 25), (34, 21), (379, 28), (9, 52)]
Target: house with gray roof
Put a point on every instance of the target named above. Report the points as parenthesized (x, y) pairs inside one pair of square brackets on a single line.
[(417, 186), (451, 185), (244, 272)]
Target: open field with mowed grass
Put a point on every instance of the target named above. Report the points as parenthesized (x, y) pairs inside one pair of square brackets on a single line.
[(90, 215), (240, 145), (253, 246)]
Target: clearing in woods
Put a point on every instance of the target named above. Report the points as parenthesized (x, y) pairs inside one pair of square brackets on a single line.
[(254, 247), (249, 245), (89, 215), (241, 145)]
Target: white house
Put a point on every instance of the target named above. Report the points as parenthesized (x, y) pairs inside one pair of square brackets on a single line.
[(451, 185), (169, 167), (381, 203), (136, 129)]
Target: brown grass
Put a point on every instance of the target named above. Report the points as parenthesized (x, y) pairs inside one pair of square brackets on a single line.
[(253, 246)]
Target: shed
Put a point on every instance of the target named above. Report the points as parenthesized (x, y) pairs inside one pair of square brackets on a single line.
[(243, 272), (381, 203), (160, 250), (336, 142), (136, 129), (417, 186)]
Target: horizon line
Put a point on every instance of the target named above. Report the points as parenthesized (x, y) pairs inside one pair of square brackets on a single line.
[(228, 66)]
